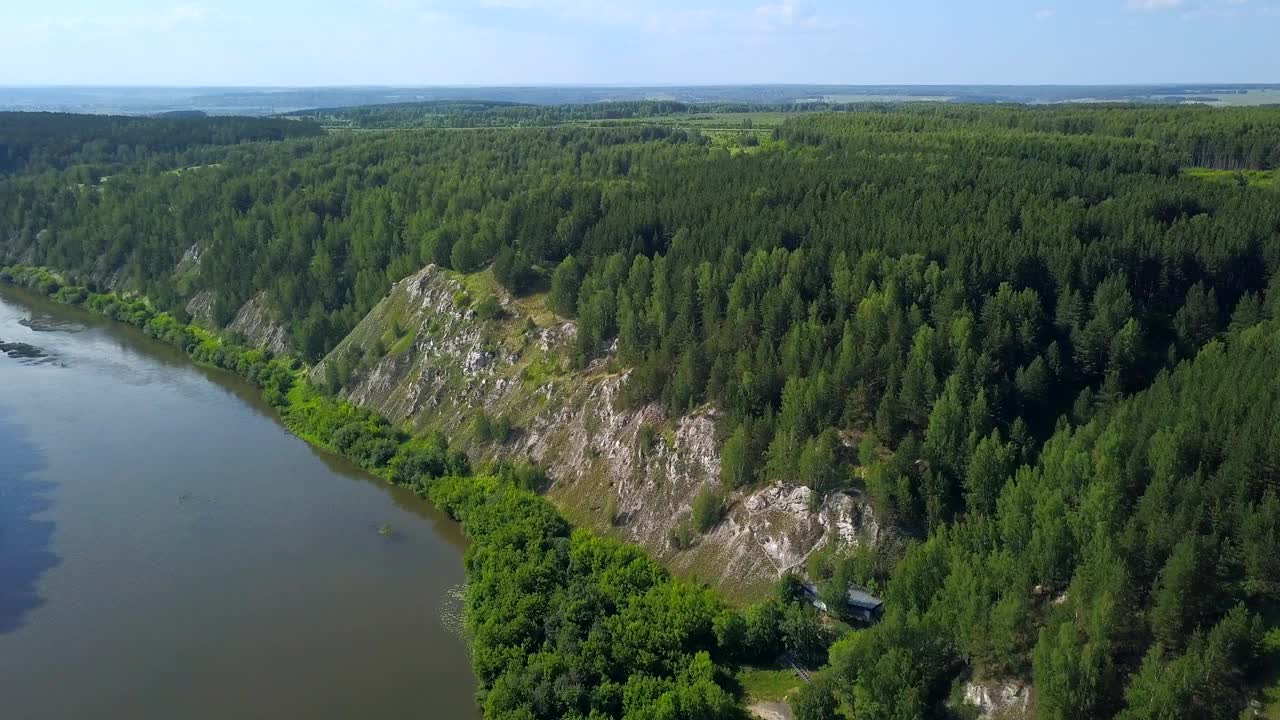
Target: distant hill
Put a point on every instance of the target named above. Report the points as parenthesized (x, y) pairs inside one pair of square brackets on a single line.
[(271, 101)]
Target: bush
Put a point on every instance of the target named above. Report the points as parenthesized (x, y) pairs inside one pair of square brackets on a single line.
[(731, 633), (371, 444), (735, 459), (524, 475), (422, 460), (482, 427), (708, 509), (681, 537), (646, 436), (502, 429), (72, 295), (790, 589), (643, 386), (803, 633), (816, 700), (764, 631), (488, 429), (489, 308)]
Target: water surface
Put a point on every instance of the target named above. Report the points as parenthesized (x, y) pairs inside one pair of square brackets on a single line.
[(169, 550)]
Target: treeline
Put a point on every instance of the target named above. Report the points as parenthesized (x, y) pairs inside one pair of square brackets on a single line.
[(561, 623), (467, 114), (36, 142), (1219, 138)]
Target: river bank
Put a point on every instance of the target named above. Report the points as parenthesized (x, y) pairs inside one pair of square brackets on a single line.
[(561, 622)]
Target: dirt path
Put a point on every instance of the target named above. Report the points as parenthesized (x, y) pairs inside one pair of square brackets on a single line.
[(771, 711)]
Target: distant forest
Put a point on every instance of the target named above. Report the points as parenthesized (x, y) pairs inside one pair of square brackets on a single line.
[(1044, 341), (271, 101), (36, 142), (461, 114)]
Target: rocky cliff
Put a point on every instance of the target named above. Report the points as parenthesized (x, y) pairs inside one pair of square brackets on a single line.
[(425, 356), (999, 699), (257, 323)]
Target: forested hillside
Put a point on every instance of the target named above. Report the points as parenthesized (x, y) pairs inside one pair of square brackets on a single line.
[(1041, 341), (1126, 570), (36, 142)]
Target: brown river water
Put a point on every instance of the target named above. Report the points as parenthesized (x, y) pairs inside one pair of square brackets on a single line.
[(169, 550)]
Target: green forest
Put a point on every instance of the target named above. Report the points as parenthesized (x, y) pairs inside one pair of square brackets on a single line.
[(1044, 341)]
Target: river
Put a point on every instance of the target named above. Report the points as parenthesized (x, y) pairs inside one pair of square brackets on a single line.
[(169, 550)]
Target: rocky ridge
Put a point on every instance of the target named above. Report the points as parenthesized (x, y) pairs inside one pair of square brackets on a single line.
[(446, 364)]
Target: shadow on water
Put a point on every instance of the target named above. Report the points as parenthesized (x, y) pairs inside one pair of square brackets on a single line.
[(403, 498), (25, 541)]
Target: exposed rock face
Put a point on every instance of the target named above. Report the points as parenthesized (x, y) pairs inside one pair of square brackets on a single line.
[(452, 361), (999, 700), (201, 307), (446, 365), (255, 321), (788, 526), (257, 324), (190, 260)]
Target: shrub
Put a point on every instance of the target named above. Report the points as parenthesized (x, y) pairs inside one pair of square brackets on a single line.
[(708, 508), (489, 308), (681, 537)]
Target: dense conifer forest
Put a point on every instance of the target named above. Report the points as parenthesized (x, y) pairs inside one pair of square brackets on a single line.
[(1043, 341), (37, 142)]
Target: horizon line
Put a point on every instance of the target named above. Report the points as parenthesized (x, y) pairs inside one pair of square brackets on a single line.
[(478, 86)]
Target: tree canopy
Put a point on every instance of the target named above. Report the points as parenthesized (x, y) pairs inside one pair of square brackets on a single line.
[(1040, 344)]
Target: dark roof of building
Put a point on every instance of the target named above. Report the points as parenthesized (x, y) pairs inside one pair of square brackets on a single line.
[(858, 597), (864, 599)]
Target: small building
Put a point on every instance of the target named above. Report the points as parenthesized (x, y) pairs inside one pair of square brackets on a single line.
[(859, 604)]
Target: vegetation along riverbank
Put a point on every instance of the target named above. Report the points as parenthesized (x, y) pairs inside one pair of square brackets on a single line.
[(544, 601)]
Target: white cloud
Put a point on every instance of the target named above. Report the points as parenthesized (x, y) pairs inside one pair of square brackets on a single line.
[(117, 25), (1220, 10), (793, 15), (670, 17), (1044, 13), (784, 11), (611, 13), (1152, 5)]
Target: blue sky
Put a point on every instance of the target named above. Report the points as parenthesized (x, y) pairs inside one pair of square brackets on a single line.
[(488, 42)]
